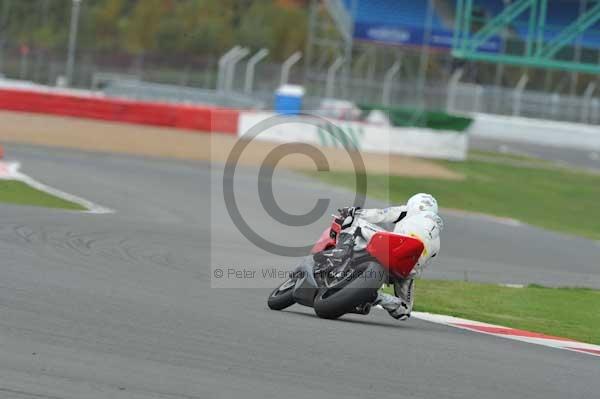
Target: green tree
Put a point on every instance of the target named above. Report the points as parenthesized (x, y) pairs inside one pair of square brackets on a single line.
[(290, 29), (256, 26), (212, 31), (141, 29), (280, 29), (105, 18), (195, 27)]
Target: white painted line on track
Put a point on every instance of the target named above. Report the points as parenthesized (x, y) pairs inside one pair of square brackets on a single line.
[(10, 171), (508, 285), (510, 333)]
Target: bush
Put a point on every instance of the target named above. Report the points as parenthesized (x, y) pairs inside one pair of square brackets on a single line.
[(437, 120)]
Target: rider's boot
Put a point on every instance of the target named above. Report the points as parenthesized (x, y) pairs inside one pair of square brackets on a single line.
[(400, 305)]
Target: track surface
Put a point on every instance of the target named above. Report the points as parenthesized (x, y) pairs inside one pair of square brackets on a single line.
[(121, 306), (566, 156)]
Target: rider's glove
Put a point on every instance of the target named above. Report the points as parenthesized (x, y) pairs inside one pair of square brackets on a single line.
[(348, 214), (348, 211)]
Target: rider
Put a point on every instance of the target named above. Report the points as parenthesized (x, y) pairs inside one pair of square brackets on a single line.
[(418, 218)]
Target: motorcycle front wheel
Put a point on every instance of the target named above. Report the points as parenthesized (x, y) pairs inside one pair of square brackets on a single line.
[(283, 296), (355, 289)]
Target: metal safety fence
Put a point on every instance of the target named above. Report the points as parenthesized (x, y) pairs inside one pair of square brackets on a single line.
[(245, 79)]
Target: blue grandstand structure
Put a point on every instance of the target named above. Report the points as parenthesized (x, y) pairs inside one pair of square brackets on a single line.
[(406, 22), (402, 22)]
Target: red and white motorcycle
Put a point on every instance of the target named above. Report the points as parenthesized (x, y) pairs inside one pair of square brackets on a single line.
[(333, 289)]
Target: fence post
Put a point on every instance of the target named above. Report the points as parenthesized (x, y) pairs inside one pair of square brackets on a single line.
[(4, 17), (287, 66), (331, 71), (255, 59), (359, 63), (478, 99), (230, 71), (223, 62), (452, 87), (555, 101), (72, 40), (587, 97), (387, 83), (518, 94)]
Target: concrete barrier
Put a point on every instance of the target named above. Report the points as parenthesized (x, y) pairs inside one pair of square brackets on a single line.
[(536, 131), (419, 142)]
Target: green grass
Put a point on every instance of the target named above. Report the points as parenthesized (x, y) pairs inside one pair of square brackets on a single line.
[(564, 312), (547, 196), (17, 192)]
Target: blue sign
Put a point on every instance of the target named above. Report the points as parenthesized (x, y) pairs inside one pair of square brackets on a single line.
[(414, 36)]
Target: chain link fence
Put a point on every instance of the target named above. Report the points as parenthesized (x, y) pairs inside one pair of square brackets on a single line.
[(194, 80), (533, 104)]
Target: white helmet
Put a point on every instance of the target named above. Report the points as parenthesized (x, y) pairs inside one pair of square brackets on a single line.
[(421, 203)]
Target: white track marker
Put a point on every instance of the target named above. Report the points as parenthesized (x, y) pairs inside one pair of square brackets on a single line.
[(512, 285), (10, 171), (510, 333)]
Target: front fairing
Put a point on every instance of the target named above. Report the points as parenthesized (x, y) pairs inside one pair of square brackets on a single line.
[(328, 238), (306, 285)]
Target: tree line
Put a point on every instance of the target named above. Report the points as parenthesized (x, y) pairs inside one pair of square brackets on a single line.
[(167, 27)]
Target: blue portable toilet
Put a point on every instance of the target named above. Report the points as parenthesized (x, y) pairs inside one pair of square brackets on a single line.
[(288, 99)]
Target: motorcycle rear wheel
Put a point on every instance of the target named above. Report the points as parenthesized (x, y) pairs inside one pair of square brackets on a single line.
[(332, 303), (283, 296)]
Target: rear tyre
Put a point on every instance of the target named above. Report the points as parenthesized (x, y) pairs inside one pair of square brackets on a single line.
[(283, 296), (332, 303)]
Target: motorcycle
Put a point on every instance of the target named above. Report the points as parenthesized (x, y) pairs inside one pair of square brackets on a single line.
[(333, 289)]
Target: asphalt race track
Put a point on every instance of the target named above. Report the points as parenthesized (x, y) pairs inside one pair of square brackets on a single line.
[(121, 306), (572, 157)]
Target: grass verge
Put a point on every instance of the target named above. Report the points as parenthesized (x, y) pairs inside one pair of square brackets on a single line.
[(17, 192), (543, 195), (564, 312)]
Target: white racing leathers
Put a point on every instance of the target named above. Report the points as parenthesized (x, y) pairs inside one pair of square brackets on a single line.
[(426, 226)]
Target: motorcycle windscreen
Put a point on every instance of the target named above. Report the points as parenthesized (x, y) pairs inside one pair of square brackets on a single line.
[(398, 253)]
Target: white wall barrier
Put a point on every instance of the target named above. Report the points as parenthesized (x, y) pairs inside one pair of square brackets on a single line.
[(536, 131), (419, 142)]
